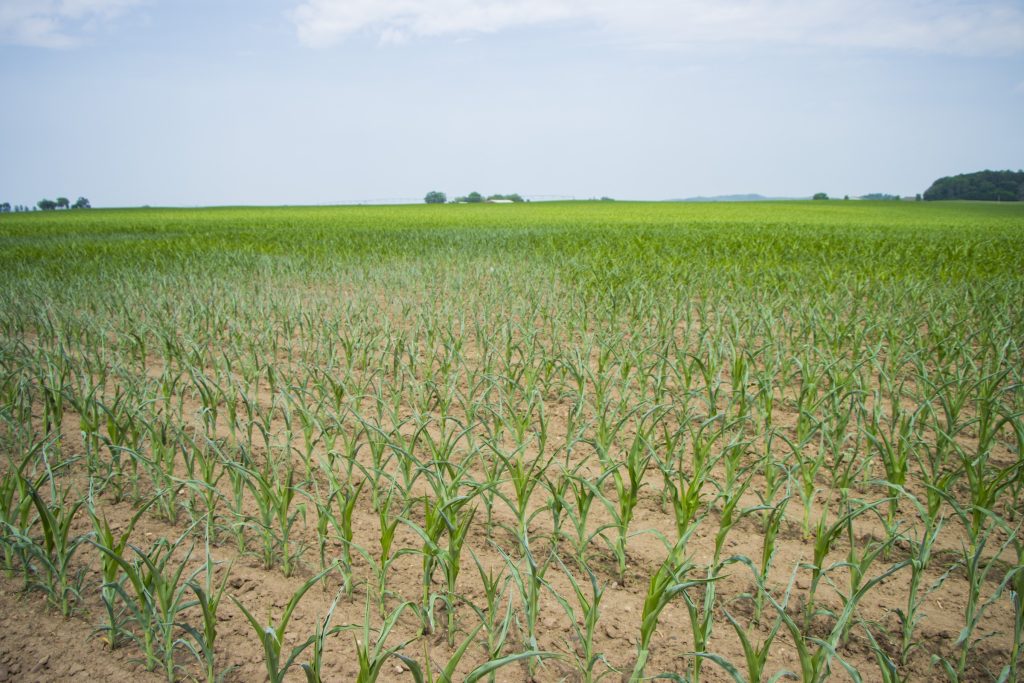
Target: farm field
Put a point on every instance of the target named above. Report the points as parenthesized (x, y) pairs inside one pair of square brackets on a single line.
[(549, 441)]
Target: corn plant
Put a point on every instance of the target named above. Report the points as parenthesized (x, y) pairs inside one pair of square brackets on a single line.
[(495, 590), (447, 674), (318, 644), (921, 546), (437, 521), (755, 656), (774, 517), (627, 490), (372, 652), (584, 625), (51, 561), (977, 566), (824, 538), (893, 446), (1015, 581), (277, 517), (525, 477), (209, 594), (528, 582), (271, 635), (817, 654), (158, 585), (341, 521), (110, 571), (667, 583)]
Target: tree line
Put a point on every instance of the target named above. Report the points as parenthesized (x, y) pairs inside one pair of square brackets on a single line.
[(993, 186), (436, 197), (46, 205)]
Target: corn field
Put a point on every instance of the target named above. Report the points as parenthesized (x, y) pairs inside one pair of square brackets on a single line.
[(541, 442)]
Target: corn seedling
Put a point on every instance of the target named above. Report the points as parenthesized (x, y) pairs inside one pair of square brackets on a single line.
[(110, 570), (667, 583), (271, 635), (209, 594), (584, 625), (158, 594)]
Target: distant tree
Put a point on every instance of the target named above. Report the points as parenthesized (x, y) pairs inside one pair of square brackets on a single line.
[(820, 195), (63, 203), (995, 186), (917, 197), (607, 199), (846, 197), (511, 197), (435, 198), (46, 204), (5, 207), (81, 203), (881, 196)]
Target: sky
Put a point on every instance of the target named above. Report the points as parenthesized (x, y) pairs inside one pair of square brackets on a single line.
[(216, 102)]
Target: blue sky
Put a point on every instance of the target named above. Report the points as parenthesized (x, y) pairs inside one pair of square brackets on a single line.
[(191, 102)]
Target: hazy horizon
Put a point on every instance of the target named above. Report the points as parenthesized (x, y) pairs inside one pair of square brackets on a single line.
[(134, 102)]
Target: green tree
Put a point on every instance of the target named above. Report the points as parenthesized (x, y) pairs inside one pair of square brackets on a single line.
[(46, 204), (820, 195), (81, 203), (474, 198), (435, 198), (994, 186), (514, 197), (63, 203)]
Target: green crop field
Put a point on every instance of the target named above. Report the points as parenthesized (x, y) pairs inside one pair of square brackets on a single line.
[(548, 441)]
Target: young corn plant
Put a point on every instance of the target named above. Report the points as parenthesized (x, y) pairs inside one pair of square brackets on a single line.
[(977, 566), (277, 517), (525, 477), (858, 562), (372, 652), (755, 656), (158, 595), (314, 668), (346, 497), (888, 670), (110, 571), (584, 492), (388, 525), (431, 673), (495, 590), (1015, 580), (685, 485), (919, 562), (271, 635), (51, 561), (893, 445), (529, 582), (452, 562), (773, 520), (627, 495), (667, 583), (437, 521), (205, 473), (16, 505), (584, 625), (805, 472), (209, 594), (817, 654), (824, 538)]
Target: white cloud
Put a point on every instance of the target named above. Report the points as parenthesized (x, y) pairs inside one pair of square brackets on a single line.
[(55, 23), (978, 27)]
